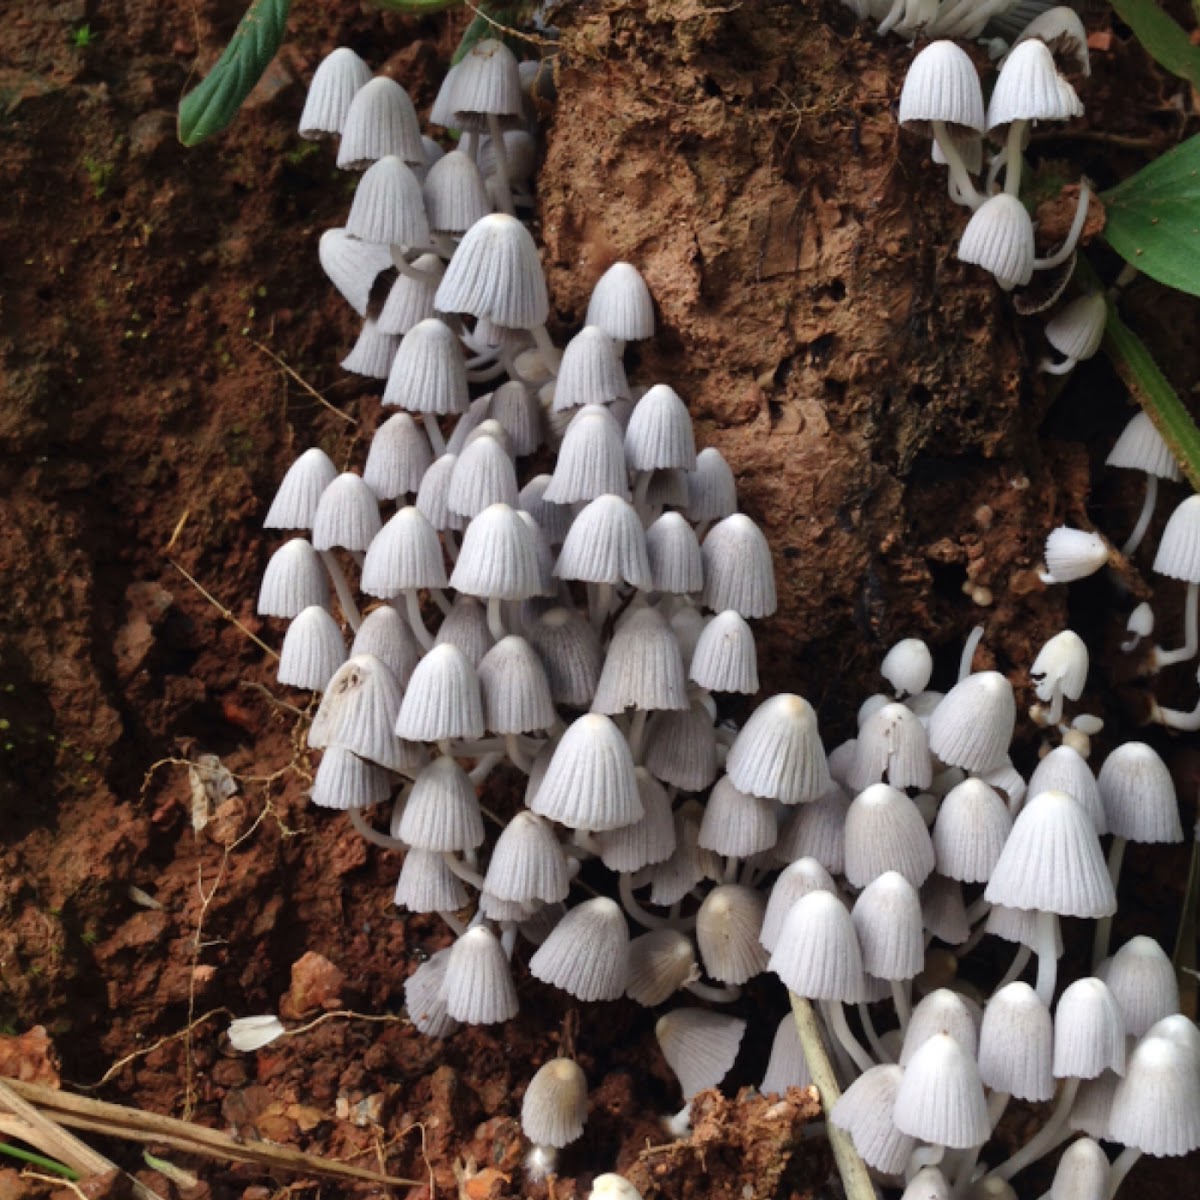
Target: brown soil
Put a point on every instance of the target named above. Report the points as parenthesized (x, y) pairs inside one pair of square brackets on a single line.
[(874, 396)]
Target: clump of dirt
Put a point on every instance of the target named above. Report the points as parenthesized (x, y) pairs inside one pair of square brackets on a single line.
[(168, 345)]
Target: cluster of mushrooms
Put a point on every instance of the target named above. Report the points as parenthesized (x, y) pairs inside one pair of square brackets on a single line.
[(569, 636), (945, 18)]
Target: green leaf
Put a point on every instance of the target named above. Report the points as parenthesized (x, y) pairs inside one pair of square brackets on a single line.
[(1163, 38), (1154, 218), (207, 109)]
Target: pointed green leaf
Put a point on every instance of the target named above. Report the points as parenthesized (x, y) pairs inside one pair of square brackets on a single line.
[(1154, 218), (208, 108), (1163, 38)]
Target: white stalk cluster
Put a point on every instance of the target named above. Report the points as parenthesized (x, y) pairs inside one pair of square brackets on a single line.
[(936, 18), (575, 629)]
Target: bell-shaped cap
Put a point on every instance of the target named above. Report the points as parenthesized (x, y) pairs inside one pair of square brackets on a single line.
[(443, 699), (483, 475), (864, 1111), (942, 85), (455, 197), (353, 266), (516, 692), (429, 374), (1083, 1171), (908, 667), (606, 544), (398, 458), (1139, 795), (787, 1067), (587, 955), (943, 910), (410, 300), (496, 273), (817, 830), (403, 556), (736, 825), (296, 501), (942, 1011), (681, 749), (591, 459), (885, 832), (442, 812), (424, 997), (891, 744), (738, 573), (466, 627), (347, 515), (687, 865), (590, 782), (778, 753), (727, 929), (433, 493), (358, 712), (973, 725), (570, 651), (1015, 1044), (313, 649), (554, 1109), (380, 121), (887, 918), (970, 831), (527, 863), (660, 963), (590, 372), (1142, 980), (1029, 88), (389, 637), (643, 667), (620, 304), (427, 884), (1077, 329), (1064, 769), (817, 954), (1073, 554), (1052, 862), (725, 658), (699, 1046), (478, 987), (388, 208), (940, 1099), (487, 82), (674, 554), (999, 238), (1089, 1032), (498, 559), (659, 434), (1061, 665), (554, 519), (373, 352), (1141, 448), (293, 581), (712, 490), (801, 877), (650, 839), (338, 77), (345, 781), (1154, 1109)]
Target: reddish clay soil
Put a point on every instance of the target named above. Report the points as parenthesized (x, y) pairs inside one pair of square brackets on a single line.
[(164, 326)]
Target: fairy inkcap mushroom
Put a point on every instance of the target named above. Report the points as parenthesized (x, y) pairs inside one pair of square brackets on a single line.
[(442, 812), (478, 986), (1142, 980), (940, 1098), (817, 829), (380, 122), (908, 667), (891, 745), (643, 668), (864, 1111), (313, 649), (800, 877), (587, 955), (999, 238), (659, 434), (738, 572), (1178, 557), (1073, 554), (442, 700), (387, 635), (1141, 448), (699, 1046), (455, 197), (725, 659), (973, 725), (778, 753), (1059, 670), (620, 304), (466, 626), (1076, 332), (293, 581), (660, 963), (681, 750), (591, 459), (1064, 769), (410, 298), (941, 95), (650, 839), (969, 833), (712, 490), (398, 458), (554, 1109), (571, 653), (885, 832), (338, 77), (786, 1067), (727, 929), (296, 500), (353, 267), (590, 372)]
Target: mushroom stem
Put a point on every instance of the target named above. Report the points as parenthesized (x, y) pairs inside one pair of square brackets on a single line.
[(1121, 1167), (852, 1169), (968, 653), (500, 150), (835, 1018), (495, 619), (1014, 160), (1191, 633), (434, 432), (456, 926), (1047, 972), (877, 1047), (902, 999), (923, 1156), (1065, 251), (599, 602), (373, 835), (1051, 1133), (997, 1102), (344, 594), (726, 994), (516, 755), (1116, 856), (412, 609), (484, 767), (637, 734), (1134, 540), (424, 278), (956, 166), (640, 915), (550, 353), (464, 872), (1049, 367)]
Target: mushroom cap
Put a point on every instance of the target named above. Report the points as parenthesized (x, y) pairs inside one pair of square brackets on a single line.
[(347, 515), (1141, 448), (443, 699), (778, 753), (488, 81), (786, 1067), (410, 301), (1029, 88), (973, 724), (1077, 329), (388, 208), (373, 352), (674, 555), (999, 238), (891, 742), (796, 881), (1062, 664), (659, 433), (1064, 769), (313, 649), (424, 998), (498, 558), (886, 832), (864, 1111), (554, 1108), (1142, 980), (621, 305), (587, 954), (478, 987), (1178, 554), (648, 840), (429, 373), (606, 544), (699, 1046), (1139, 798), (570, 651), (590, 782), (738, 572), (727, 929), (483, 475), (455, 195), (353, 266), (591, 459), (725, 658), (590, 371), (442, 812), (817, 953), (681, 750), (1073, 554), (1083, 1171), (338, 76), (380, 121), (712, 490), (293, 581), (1052, 862), (516, 692), (970, 831), (389, 637), (1089, 1031), (942, 85), (398, 458), (427, 885), (1015, 1044), (1154, 1108), (643, 668), (940, 1098), (403, 556), (887, 919), (660, 963), (908, 666)]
